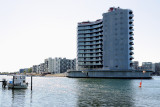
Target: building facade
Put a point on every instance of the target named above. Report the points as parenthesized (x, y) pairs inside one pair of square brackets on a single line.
[(48, 65), (157, 68), (56, 65), (106, 43), (148, 66), (89, 47), (34, 68), (52, 66), (73, 64), (135, 65), (65, 64)]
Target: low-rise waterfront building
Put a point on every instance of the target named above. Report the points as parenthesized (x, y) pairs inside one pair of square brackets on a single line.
[(73, 64), (135, 65), (56, 65), (34, 68), (65, 64), (48, 65), (148, 66), (157, 68)]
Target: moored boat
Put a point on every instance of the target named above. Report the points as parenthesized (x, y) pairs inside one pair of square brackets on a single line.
[(18, 82)]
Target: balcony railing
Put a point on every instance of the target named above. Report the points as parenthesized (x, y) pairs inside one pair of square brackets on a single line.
[(131, 53), (89, 60), (131, 43), (131, 38), (89, 31), (93, 47), (131, 48), (131, 58), (90, 63), (85, 56), (94, 51)]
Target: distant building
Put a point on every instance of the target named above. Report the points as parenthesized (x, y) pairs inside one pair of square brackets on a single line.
[(106, 43), (56, 65), (53, 66), (135, 65), (48, 65), (157, 68), (42, 66), (148, 66), (34, 68), (65, 64), (21, 70), (25, 70), (73, 64), (41, 69)]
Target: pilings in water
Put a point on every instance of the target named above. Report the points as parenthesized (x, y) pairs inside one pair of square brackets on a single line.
[(31, 83), (13, 82), (4, 83)]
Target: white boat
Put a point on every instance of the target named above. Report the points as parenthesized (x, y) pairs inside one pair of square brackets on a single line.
[(18, 82)]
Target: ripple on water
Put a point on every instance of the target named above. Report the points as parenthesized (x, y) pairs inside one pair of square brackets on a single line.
[(82, 92)]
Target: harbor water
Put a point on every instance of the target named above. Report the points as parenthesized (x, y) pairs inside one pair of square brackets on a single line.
[(83, 92)]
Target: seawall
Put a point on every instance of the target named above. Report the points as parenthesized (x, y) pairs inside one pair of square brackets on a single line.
[(109, 74)]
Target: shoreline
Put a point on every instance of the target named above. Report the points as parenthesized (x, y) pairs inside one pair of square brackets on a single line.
[(39, 75)]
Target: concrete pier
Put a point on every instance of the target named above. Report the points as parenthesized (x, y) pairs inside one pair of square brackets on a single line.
[(115, 74)]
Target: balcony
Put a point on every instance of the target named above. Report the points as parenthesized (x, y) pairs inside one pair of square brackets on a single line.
[(99, 38), (131, 20), (130, 28), (131, 25), (131, 48), (131, 38), (131, 58), (130, 33), (84, 28), (84, 40), (97, 26), (131, 64), (131, 43), (88, 51), (131, 53), (83, 36), (130, 12), (130, 17), (89, 60), (88, 63)]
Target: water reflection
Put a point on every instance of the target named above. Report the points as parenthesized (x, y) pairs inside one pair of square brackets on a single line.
[(105, 92), (76, 92), (18, 97)]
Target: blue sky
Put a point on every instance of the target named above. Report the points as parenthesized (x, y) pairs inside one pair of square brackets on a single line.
[(32, 30)]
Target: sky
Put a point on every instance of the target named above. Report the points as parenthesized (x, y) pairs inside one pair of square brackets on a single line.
[(33, 30)]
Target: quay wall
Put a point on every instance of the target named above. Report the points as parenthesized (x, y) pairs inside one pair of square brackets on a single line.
[(109, 74)]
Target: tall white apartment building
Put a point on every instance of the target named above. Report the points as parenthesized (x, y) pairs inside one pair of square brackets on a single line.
[(56, 65), (106, 43)]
